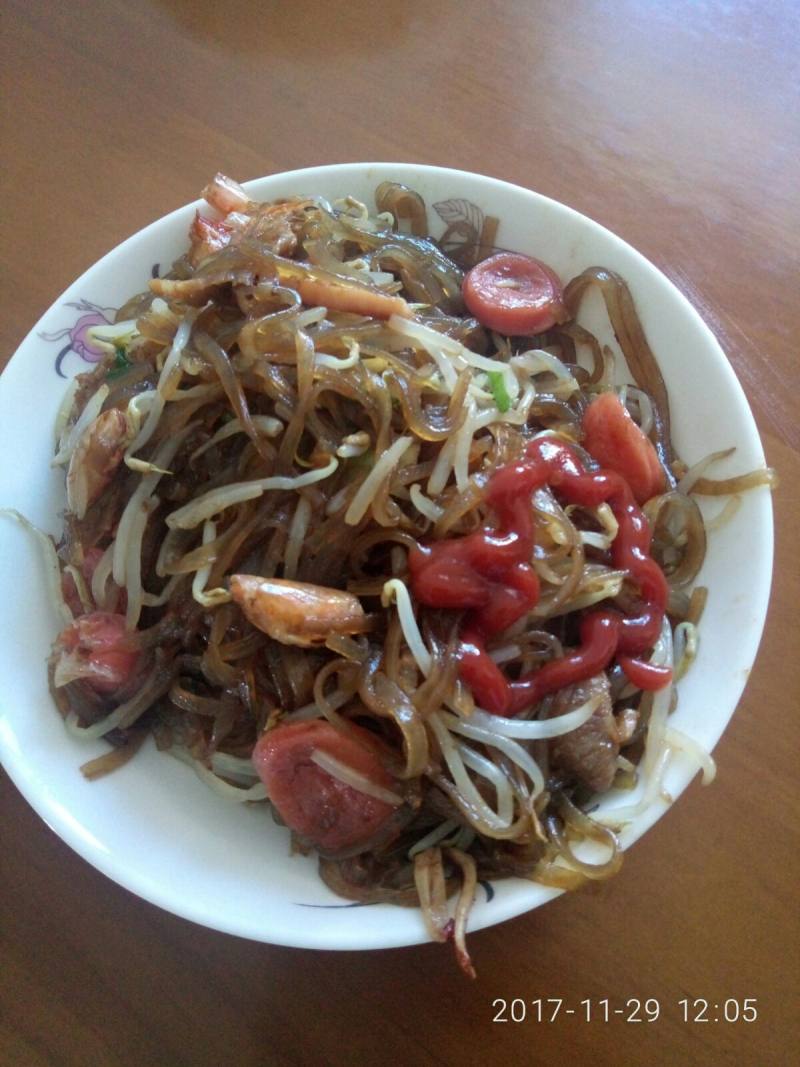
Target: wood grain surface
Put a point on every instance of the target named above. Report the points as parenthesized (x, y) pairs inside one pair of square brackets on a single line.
[(677, 125)]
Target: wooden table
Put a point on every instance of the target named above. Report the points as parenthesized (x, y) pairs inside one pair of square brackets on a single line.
[(676, 125)]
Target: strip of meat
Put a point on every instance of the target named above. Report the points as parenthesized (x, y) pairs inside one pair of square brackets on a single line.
[(590, 752)]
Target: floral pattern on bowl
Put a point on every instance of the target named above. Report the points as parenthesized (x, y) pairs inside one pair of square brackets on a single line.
[(79, 339)]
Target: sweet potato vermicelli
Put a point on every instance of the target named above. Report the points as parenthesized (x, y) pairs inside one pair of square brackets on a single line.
[(341, 545)]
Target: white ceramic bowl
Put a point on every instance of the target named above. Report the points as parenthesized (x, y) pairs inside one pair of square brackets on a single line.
[(153, 826)]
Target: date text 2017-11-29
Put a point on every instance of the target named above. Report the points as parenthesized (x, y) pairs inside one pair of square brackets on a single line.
[(631, 1010)]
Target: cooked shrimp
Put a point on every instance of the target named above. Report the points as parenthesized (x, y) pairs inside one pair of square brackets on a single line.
[(196, 291), (339, 296), (207, 237), (276, 225), (97, 455), (297, 613), (225, 195), (97, 649)]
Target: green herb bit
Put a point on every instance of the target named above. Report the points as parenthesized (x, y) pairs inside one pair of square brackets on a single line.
[(120, 364), (499, 391)]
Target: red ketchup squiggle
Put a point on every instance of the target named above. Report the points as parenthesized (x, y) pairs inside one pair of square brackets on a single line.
[(489, 572)]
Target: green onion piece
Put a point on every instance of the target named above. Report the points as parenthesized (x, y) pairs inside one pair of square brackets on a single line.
[(499, 391), (121, 363)]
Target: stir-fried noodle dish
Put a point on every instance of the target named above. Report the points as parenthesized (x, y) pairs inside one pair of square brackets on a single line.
[(376, 538)]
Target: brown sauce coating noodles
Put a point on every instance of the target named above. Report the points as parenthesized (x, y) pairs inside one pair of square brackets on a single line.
[(302, 400)]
